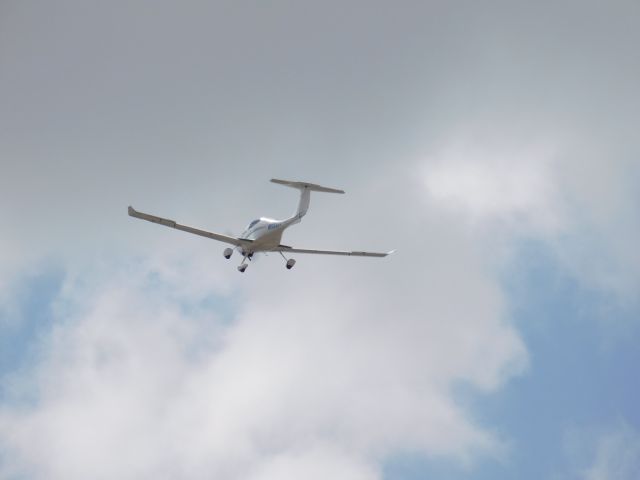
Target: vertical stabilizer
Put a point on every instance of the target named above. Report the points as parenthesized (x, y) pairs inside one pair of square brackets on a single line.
[(303, 204)]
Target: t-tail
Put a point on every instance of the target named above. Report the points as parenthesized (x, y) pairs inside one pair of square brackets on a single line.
[(305, 193)]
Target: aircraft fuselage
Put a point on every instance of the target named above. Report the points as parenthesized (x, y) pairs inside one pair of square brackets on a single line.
[(265, 233)]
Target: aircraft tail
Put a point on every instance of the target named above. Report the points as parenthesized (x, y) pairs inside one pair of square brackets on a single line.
[(305, 193)]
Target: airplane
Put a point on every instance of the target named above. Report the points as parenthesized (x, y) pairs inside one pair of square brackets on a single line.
[(264, 234)]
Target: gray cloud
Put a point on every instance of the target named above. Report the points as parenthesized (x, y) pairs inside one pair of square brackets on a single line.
[(162, 104)]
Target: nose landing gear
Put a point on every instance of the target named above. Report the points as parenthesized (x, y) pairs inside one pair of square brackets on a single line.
[(243, 266)]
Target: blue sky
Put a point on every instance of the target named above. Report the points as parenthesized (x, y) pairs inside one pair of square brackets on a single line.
[(30, 318), (492, 144), (580, 380)]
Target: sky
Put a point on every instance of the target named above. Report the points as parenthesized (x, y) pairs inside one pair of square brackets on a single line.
[(493, 144)]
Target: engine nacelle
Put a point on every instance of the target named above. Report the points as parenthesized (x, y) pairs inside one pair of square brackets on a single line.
[(227, 253), (290, 263)]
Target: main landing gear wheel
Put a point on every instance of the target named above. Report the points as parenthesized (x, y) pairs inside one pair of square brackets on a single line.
[(242, 268), (227, 253), (290, 263)]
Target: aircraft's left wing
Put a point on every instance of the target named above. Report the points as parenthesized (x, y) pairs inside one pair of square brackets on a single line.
[(196, 231), (285, 248)]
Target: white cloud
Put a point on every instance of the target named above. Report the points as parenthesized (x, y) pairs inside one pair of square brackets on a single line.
[(617, 456), (578, 199), (496, 184), (319, 464), (137, 380)]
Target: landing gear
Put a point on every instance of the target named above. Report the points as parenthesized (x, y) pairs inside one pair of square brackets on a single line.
[(243, 266), (227, 253), (290, 263)]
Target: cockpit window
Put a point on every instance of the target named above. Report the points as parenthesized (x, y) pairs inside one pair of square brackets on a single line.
[(253, 223)]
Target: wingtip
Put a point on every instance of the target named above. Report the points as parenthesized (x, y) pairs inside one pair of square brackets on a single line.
[(130, 210), (391, 252)]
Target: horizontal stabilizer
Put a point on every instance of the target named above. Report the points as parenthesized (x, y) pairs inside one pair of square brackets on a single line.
[(309, 186)]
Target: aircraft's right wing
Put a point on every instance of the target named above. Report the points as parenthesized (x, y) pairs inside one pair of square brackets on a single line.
[(285, 248), (170, 223)]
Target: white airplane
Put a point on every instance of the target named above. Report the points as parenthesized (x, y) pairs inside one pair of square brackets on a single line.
[(264, 234)]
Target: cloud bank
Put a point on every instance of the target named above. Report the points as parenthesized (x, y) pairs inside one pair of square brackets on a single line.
[(314, 373)]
